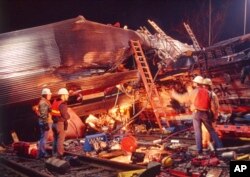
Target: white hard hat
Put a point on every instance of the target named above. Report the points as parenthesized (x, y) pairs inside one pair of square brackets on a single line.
[(63, 91), (46, 91), (207, 81), (198, 80)]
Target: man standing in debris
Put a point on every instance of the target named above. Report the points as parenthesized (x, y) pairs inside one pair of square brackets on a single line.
[(43, 111), (214, 110), (200, 104), (60, 116)]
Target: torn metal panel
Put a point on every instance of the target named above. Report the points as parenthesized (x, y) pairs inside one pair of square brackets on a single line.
[(165, 46), (92, 45)]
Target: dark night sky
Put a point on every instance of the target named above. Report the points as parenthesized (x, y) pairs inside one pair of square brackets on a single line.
[(168, 14)]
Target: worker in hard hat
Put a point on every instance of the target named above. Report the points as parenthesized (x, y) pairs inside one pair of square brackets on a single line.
[(199, 99), (60, 115), (191, 93), (44, 108), (213, 113)]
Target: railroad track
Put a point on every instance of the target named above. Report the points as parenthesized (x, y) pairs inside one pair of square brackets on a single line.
[(17, 166), (83, 165), (7, 171)]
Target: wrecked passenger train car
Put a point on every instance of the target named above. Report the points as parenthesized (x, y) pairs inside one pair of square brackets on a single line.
[(62, 54), (90, 59), (81, 55), (52, 55)]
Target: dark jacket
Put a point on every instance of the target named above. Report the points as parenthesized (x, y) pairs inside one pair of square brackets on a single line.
[(44, 108), (63, 108)]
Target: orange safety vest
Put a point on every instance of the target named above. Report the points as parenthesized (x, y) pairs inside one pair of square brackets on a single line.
[(202, 100), (55, 108)]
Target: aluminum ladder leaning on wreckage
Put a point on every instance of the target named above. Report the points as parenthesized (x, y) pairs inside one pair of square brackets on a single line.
[(192, 36), (148, 81), (201, 60)]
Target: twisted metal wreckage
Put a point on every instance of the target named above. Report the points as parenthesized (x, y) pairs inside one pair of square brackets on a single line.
[(94, 61)]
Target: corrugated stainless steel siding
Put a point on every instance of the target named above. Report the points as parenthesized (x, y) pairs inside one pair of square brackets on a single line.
[(32, 58)]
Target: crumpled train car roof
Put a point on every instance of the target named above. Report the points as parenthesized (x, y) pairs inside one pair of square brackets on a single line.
[(52, 55)]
